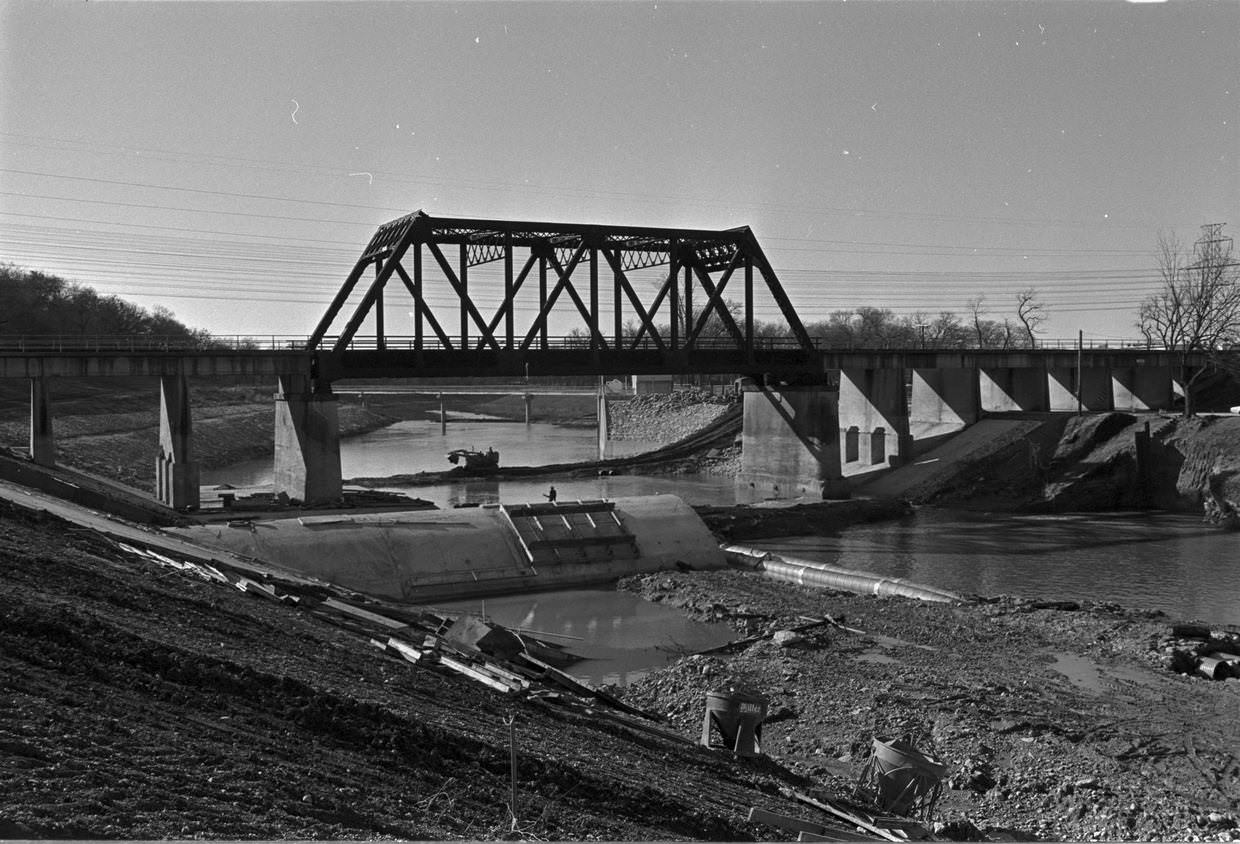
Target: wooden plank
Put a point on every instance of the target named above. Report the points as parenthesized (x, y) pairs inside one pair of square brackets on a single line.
[(785, 822), (365, 615), (835, 835), (252, 587), (847, 816), (404, 650), (474, 674), (558, 677)]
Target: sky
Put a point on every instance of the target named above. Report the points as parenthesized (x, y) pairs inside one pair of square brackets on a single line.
[(230, 161)]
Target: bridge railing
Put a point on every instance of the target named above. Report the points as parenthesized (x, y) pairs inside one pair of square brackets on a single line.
[(113, 343), (297, 342), (578, 342)]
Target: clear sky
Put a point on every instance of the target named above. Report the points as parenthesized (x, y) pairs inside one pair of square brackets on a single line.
[(230, 160)]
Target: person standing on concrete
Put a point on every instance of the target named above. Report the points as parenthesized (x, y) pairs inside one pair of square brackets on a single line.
[(550, 496)]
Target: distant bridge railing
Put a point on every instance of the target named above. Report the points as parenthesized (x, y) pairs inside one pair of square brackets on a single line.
[(116, 343), (298, 342)]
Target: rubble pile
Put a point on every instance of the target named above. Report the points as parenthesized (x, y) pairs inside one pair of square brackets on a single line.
[(664, 417), (1198, 650), (1057, 719)]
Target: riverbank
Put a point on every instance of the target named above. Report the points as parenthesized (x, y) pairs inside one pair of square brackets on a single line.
[(1059, 721), (146, 703), (1058, 463), (114, 434)]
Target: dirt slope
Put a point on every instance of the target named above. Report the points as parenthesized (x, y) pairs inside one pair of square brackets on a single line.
[(139, 703), (1056, 462)]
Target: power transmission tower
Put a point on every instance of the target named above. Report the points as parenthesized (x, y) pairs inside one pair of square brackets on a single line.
[(1212, 250)]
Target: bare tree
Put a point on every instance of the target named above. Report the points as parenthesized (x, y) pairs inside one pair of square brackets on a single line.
[(1031, 313), (1197, 311), (977, 310)]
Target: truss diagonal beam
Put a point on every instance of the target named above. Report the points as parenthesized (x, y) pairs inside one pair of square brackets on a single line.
[(777, 291), (427, 313), (590, 318), (372, 293), (544, 311), (505, 310), (646, 318), (716, 302), (673, 274), (453, 280)]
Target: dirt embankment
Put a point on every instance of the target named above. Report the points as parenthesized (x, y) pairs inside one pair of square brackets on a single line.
[(1106, 461), (139, 702)]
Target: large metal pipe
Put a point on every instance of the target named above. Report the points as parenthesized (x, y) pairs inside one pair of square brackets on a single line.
[(812, 573)]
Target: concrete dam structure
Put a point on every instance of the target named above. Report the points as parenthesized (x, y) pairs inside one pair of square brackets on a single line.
[(421, 556)]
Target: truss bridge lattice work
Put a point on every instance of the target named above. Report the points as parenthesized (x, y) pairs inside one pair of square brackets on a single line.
[(504, 297)]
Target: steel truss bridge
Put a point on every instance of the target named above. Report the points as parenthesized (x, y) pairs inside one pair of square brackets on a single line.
[(685, 323)]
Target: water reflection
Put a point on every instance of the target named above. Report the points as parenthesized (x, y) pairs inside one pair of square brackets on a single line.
[(1173, 563), (473, 493), (622, 636), (419, 446)]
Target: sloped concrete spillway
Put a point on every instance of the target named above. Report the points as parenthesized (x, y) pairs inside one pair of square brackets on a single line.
[(427, 555)]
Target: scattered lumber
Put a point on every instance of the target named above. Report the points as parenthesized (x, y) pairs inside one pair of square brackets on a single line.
[(855, 820), (394, 630), (810, 624), (806, 830), (365, 615)]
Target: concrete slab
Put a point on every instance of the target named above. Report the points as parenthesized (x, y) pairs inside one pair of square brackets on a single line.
[(429, 555)]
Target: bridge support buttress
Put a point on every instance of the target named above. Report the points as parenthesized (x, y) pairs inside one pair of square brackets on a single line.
[(1092, 383), (1012, 389), (176, 475), (307, 442), (42, 442), (873, 420), (942, 402), (1142, 388), (790, 442)]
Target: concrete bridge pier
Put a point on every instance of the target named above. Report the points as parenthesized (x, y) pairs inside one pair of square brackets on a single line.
[(1142, 388), (176, 475), (873, 419), (307, 441), (1012, 389), (942, 402), (42, 442), (1094, 384), (790, 442)]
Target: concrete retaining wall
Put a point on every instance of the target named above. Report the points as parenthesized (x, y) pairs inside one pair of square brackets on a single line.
[(428, 555)]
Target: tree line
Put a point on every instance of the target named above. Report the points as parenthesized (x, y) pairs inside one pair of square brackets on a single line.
[(35, 303)]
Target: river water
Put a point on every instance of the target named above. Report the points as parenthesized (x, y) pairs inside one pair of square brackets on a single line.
[(1167, 562), (1172, 563), (419, 446)]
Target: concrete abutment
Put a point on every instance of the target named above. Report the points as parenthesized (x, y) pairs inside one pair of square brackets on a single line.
[(790, 443), (176, 474), (942, 402), (307, 442), (1142, 388), (873, 414), (42, 440)]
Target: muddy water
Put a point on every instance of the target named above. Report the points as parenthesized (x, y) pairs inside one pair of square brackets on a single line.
[(1172, 563), (622, 636), (419, 446), (1166, 562)]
